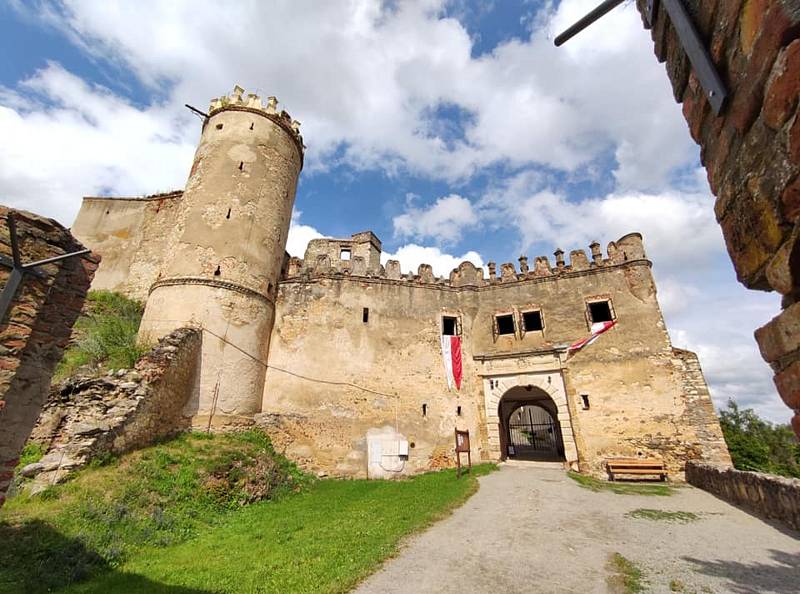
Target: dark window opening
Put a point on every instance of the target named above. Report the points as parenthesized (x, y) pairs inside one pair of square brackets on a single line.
[(424, 410), (458, 411), (241, 165), (450, 326), (251, 125), (219, 126), (600, 311), (505, 324), (365, 315), (585, 399), (217, 272), (532, 320), (227, 216)]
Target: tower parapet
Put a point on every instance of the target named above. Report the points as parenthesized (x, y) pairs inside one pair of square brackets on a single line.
[(226, 252)]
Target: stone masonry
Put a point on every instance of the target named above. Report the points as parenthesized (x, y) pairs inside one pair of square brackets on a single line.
[(36, 328), (751, 152), (86, 417)]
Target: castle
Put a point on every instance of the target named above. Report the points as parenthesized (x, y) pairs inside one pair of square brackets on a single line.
[(340, 358)]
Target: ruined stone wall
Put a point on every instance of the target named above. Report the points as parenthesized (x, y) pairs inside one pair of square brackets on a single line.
[(333, 376), (130, 233), (766, 495), (751, 150), (36, 328), (128, 409)]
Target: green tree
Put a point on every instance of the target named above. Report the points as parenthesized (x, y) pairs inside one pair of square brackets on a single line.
[(758, 445)]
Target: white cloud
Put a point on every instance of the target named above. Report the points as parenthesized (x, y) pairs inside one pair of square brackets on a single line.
[(366, 76), (444, 221), (411, 256), (678, 227), (64, 139), (299, 236)]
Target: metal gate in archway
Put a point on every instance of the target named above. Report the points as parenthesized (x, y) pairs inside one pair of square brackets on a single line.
[(533, 434)]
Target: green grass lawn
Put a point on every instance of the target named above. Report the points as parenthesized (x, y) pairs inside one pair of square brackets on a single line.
[(325, 539), (213, 513)]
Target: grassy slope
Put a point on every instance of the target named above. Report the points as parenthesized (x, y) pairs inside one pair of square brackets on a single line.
[(170, 518), (325, 539), (155, 497)]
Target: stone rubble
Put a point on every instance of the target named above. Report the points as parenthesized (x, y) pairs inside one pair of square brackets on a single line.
[(88, 417)]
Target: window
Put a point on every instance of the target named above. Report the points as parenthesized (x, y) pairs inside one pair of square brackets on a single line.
[(505, 324), (365, 315), (532, 320), (600, 311), (219, 126), (585, 401), (345, 254), (450, 326)]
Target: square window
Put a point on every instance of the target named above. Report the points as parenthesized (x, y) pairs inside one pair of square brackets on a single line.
[(505, 324), (345, 254), (532, 320), (450, 326), (600, 311)]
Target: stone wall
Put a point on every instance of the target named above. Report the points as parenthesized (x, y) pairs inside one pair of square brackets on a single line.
[(36, 328), (130, 234), (766, 495), (336, 374), (88, 416), (751, 151)]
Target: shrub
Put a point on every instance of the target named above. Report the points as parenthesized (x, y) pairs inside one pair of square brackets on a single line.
[(758, 445), (105, 335)]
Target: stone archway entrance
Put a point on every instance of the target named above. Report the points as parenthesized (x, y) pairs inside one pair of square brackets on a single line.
[(536, 388), (529, 425)]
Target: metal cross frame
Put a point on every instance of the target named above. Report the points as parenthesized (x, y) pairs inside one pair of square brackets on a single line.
[(19, 270), (688, 36)]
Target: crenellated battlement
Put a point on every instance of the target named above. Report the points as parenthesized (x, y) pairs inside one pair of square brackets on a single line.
[(360, 255), (253, 102)]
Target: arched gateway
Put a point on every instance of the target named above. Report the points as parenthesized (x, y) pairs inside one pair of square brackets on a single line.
[(529, 418), (530, 429)]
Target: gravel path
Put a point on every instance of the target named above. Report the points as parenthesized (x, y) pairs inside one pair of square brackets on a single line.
[(535, 530)]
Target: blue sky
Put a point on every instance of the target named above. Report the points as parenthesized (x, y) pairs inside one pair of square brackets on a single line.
[(452, 129)]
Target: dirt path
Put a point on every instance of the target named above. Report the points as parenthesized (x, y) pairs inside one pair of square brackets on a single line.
[(536, 530)]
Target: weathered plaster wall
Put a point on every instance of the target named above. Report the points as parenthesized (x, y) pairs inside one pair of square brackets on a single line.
[(644, 398), (85, 417), (751, 151), (36, 328), (226, 249), (130, 233)]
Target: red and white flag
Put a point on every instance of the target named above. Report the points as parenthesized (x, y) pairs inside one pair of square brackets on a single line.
[(597, 329), (451, 355)]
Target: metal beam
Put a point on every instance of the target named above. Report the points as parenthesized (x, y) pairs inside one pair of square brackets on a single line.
[(19, 270), (591, 17), (698, 54)]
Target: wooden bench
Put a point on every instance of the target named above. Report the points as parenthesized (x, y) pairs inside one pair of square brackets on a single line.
[(636, 466)]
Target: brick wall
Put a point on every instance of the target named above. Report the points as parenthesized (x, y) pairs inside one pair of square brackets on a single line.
[(36, 328), (751, 152)]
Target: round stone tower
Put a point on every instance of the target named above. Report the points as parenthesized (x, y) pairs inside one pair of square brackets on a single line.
[(226, 251)]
